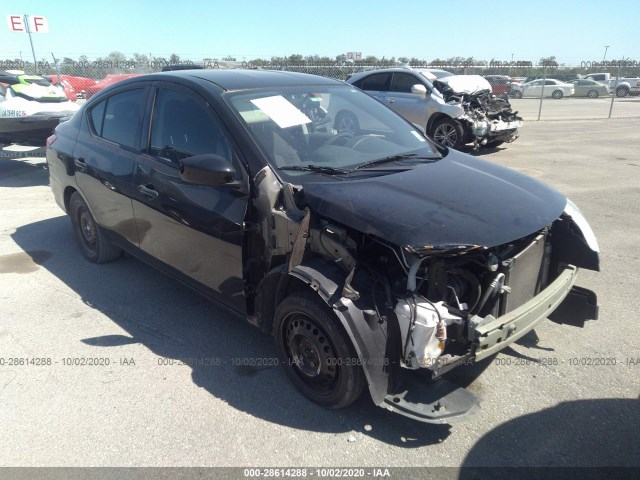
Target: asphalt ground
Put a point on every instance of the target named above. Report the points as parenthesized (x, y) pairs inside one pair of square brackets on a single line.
[(170, 388)]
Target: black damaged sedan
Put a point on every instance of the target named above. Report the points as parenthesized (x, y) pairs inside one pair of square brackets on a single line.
[(376, 259)]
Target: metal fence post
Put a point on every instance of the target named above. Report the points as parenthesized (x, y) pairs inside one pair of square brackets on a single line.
[(544, 80), (613, 97)]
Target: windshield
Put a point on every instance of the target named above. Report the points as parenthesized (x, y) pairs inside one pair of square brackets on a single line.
[(335, 128)]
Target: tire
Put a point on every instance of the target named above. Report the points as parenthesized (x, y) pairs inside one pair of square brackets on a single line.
[(347, 122), (494, 144), (516, 94), (622, 91), (315, 351), (592, 94), (557, 94), (92, 241), (448, 132)]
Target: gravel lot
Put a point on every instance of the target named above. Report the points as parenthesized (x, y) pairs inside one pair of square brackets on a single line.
[(563, 396)]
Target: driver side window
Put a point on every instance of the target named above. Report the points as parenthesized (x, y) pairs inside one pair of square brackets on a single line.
[(181, 128), (402, 82)]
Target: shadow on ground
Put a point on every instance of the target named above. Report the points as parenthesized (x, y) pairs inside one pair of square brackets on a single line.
[(582, 433), (16, 172), (175, 323)]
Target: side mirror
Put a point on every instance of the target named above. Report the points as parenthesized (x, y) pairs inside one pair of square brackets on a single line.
[(207, 169), (419, 89)]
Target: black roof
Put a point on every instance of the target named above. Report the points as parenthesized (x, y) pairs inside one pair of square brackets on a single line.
[(246, 79)]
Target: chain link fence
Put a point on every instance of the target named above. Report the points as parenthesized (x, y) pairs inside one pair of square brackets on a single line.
[(620, 99)]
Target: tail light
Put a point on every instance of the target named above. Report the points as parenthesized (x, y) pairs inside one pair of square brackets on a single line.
[(51, 139)]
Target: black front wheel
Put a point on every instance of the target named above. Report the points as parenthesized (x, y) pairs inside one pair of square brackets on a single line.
[(316, 353), (92, 241)]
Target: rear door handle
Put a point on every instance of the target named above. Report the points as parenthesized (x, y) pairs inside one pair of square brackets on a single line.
[(148, 190), (80, 165), (390, 100)]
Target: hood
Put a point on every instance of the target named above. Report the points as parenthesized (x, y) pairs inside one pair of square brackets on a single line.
[(465, 83), (457, 201)]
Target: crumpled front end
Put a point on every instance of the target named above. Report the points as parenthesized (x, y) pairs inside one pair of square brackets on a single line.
[(488, 119), (434, 308)]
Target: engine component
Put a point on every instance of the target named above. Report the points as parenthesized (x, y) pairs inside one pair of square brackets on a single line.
[(423, 327)]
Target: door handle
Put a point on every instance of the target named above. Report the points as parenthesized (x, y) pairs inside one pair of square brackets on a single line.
[(390, 100), (80, 165), (148, 190)]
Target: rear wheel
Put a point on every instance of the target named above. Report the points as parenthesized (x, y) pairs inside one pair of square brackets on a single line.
[(622, 91), (557, 94), (592, 94), (315, 351), (92, 241), (447, 132), (516, 94)]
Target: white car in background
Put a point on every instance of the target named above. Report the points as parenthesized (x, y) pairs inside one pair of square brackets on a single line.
[(549, 87)]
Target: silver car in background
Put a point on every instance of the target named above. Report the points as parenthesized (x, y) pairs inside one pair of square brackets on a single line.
[(454, 109)]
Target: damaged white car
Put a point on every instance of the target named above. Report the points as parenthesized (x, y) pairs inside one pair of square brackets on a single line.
[(454, 110)]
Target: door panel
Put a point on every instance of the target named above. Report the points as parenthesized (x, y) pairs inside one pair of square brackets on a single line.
[(409, 105), (104, 167), (194, 229)]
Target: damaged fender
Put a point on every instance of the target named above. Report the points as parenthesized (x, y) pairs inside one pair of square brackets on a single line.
[(368, 336)]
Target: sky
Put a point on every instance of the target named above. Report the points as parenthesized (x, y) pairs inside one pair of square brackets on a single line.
[(572, 31)]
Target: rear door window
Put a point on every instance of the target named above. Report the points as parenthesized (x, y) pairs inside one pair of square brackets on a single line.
[(377, 82), (119, 117)]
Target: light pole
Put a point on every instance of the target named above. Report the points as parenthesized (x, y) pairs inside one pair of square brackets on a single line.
[(606, 47)]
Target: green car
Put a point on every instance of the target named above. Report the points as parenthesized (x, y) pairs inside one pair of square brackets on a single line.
[(589, 88)]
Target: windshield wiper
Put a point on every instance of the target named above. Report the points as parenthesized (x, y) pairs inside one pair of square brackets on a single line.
[(393, 158), (316, 169)]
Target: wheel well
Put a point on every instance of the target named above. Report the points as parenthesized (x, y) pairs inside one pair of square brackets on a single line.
[(434, 119), (67, 197), (274, 288)]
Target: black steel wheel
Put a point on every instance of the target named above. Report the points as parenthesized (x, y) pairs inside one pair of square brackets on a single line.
[(315, 351), (447, 132), (91, 239)]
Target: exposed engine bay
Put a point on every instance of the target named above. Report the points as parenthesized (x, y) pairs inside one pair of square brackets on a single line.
[(437, 299), (488, 119)]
